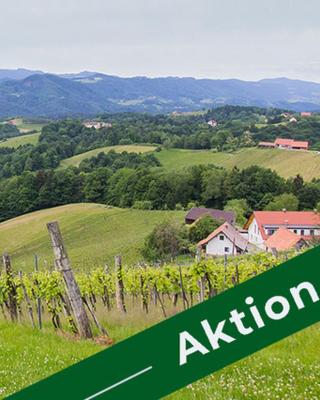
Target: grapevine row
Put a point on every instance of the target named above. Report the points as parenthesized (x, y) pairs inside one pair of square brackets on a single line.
[(157, 286)]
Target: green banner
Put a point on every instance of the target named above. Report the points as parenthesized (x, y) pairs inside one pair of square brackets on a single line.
[(198, 341)]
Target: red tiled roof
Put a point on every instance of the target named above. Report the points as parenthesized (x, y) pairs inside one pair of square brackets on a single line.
[(283, 142), (300, 144), (282, 239), (284, 218), (291, 143), (230, 232)]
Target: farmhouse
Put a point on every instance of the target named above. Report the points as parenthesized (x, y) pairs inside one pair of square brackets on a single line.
[(293, 120), (288, 144), (263, 224), (291, 144), (196, 212), (224, 240), (285, 115), (97, 124), (212, 123), (306, 114)]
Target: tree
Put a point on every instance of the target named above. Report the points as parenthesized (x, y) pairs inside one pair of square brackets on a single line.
[(203, 227), (95, 185), (213, 181), (165, 242), (240, 207), (286, 201), (309, 195), (253, 184)]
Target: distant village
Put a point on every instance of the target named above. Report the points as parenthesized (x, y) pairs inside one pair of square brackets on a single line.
[(269, 231)]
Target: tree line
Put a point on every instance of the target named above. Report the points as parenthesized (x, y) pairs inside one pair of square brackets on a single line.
[(131, 180)]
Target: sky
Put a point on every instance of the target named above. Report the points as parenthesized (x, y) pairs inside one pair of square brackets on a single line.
[(245, 39)]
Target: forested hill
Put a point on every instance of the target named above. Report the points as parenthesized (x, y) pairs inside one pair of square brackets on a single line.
[(26, 93), (32, 177)]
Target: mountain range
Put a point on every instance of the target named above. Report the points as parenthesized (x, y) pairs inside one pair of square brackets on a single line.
[(35, 93)]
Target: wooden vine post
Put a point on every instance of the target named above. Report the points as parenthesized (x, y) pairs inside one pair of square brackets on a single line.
[(12, 301), (63, 265), (119, 285)]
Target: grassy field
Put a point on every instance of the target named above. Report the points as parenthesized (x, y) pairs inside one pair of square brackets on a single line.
[(93, 233), (27, 355), (21, 140), (286, 163), (289, 369), (25, 126), (76, 160)]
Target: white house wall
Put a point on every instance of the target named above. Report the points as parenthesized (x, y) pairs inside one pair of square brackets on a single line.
[(254, 235), (216, 247)]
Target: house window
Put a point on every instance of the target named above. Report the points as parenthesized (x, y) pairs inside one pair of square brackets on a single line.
[(270, 231), (226, 249), (302, 232), (295, 231), (221, 237), (311, 232)]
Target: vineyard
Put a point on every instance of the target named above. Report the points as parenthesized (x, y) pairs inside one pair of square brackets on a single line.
[(118, 301), (45, 295)]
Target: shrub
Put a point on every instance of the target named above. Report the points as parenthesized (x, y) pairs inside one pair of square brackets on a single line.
[(165, 242)]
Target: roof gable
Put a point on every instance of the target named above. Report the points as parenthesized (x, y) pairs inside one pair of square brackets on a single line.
[(230, 232)]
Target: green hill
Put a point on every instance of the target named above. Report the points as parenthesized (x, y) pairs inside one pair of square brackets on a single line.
[(76, 160), (21, 140), (285, 163), (93, 234)]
